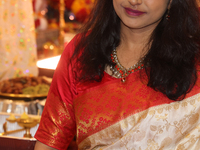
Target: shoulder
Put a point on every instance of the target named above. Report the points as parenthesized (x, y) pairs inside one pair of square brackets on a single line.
[(70, 47)]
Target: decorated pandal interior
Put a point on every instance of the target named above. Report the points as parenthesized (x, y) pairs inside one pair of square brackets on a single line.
[(30, 48)]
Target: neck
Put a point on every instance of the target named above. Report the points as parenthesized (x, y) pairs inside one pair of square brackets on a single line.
[(135, 38), (133, 45)]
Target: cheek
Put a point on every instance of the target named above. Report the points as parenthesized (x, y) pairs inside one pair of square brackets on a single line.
[(117, 7), (158, 10), (116, 3)]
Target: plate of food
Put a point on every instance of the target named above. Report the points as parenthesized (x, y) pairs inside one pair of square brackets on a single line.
[(25, 87)]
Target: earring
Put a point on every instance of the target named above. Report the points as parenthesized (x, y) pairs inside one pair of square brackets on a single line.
[(167, 15)]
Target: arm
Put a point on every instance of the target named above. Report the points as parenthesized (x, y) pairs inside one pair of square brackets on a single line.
[(41, 146), (58, 125)]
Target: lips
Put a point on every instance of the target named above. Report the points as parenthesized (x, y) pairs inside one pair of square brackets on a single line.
[(132, 12)]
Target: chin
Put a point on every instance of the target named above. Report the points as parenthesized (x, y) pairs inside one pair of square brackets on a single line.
[(133, 25)]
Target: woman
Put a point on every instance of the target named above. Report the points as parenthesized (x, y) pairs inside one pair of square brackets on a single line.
[(129, 81)]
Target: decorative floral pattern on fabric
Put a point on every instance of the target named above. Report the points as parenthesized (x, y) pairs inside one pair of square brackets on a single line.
[(174, 126), (107, 104), (57, 123), (110, 103)]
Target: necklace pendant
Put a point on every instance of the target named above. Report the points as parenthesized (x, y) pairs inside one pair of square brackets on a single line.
[(121, 72), (123, 79)]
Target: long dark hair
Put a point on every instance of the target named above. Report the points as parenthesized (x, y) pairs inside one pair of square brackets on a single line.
[(173, 52)]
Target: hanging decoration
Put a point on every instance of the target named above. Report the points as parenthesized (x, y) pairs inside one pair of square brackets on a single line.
[(40, 9)]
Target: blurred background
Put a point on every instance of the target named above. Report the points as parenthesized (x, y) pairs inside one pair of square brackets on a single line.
[(33, 34)]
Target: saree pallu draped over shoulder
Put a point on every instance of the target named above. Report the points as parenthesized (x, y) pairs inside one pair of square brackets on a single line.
[(111, 115), (132, 116)]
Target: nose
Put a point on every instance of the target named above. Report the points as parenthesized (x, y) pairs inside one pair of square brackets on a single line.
[(135, 2)]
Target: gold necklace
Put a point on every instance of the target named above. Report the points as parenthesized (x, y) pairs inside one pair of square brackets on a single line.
[(120, 71)]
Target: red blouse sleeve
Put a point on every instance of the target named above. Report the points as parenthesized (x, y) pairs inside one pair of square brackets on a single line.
[(57, 127)]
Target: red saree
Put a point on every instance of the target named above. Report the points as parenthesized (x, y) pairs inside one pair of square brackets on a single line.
[(115, 115)]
